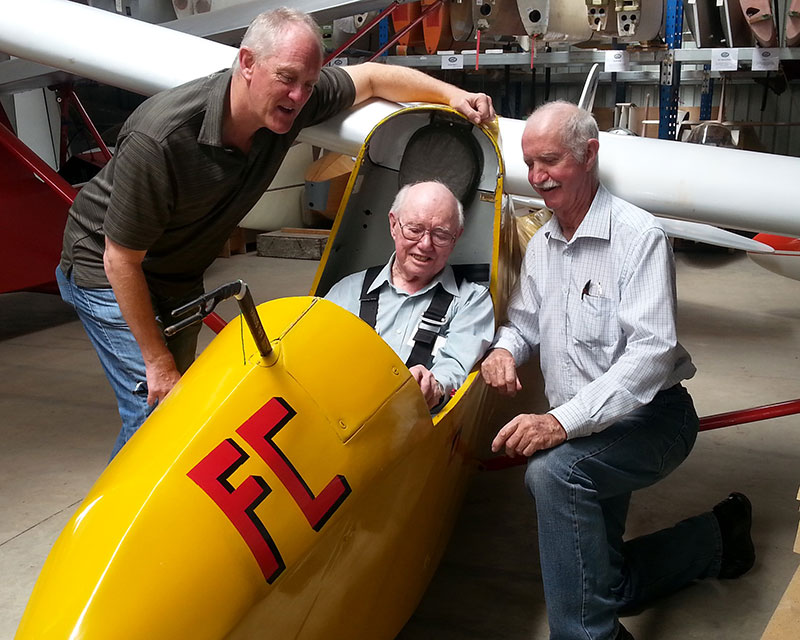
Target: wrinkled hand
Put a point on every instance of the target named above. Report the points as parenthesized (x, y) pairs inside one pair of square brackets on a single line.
[(162, 375), (528, 433), (475, 106), (428, 384), (499, 371)]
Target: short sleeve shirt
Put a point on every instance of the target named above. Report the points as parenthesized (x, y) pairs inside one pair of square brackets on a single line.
[(174, 190)]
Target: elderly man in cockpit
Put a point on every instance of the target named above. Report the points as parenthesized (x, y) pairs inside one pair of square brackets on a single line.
[(439, 324)]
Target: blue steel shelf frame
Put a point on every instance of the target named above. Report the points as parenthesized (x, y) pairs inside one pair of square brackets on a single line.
[(707, 94), (383, 34), (670, 72)]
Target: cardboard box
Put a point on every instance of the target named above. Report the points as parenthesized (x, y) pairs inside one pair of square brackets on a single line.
[(785, 621)]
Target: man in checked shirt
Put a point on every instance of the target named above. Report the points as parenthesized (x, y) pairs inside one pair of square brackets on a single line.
[(597, 296)]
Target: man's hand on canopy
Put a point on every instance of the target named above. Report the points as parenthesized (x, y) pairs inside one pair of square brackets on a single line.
[(475, 106)]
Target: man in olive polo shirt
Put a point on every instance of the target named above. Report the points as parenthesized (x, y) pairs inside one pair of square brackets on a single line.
[(190, 162)]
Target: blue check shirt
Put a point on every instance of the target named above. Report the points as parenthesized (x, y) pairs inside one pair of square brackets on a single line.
[(466, 334), (601, 310)]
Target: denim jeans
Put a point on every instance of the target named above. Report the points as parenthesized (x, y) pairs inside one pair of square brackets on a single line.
[(582, 490), (118, 351)]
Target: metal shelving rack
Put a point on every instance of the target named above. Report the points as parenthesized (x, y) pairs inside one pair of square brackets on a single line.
[(670, 72)]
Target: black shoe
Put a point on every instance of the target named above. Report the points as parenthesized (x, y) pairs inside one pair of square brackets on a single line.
[(623, 633), (735, 517)]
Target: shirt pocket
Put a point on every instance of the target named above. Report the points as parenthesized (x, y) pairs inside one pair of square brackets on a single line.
[(596, 325)]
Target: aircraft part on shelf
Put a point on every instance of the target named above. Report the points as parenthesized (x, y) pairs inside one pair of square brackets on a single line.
[(599, 14), (761, 18), (497, 18), (461, 24), (561, 21), (402, 16), (734, 25), (360, 19), (626, 20), (704, 22), (436, 27), (792, 31), (639, 20), (346, 28)]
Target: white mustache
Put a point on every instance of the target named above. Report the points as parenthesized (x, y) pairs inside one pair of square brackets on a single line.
[(549, 184)]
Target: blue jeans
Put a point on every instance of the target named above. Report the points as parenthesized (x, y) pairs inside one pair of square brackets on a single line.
[(582, 490), (118, 351)]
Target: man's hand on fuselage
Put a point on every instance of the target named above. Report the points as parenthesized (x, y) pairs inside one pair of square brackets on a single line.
[(428, 384), (499, 371)]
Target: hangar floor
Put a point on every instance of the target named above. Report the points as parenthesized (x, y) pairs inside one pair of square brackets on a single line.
[(741, 325)]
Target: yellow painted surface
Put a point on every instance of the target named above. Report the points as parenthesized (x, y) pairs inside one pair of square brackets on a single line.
[(150, 555)]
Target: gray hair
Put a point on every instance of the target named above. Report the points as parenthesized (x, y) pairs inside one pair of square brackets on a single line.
[(400, 199), (265, 31), (577, 127)]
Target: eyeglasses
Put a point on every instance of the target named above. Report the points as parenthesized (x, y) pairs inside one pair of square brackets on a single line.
[(414, 232)]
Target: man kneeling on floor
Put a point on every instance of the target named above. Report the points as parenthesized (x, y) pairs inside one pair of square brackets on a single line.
[(596, 300), (438, 324)]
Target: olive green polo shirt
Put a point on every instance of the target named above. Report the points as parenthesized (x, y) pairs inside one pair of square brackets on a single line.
[(174, 190)]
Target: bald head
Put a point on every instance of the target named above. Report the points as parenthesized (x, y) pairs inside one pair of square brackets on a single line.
[(429, 195)]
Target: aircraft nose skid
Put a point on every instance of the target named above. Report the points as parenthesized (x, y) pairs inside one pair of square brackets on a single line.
[(242, 475)]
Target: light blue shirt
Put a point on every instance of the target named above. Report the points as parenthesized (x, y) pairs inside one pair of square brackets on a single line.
[(601, 309), (468, 326)]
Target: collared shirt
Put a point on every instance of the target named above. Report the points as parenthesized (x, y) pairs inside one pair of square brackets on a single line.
[(465, 335), (601, 309), (174, 190)]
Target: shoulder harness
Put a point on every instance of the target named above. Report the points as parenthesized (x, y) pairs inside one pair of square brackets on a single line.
[(430, 324)]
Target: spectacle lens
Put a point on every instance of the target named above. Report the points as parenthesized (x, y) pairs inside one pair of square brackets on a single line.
[(439, 237)]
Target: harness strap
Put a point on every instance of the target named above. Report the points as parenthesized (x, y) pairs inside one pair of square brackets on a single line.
[(430, 324), (368, 311)]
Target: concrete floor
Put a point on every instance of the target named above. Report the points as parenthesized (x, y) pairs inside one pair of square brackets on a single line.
[(741, 325)]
